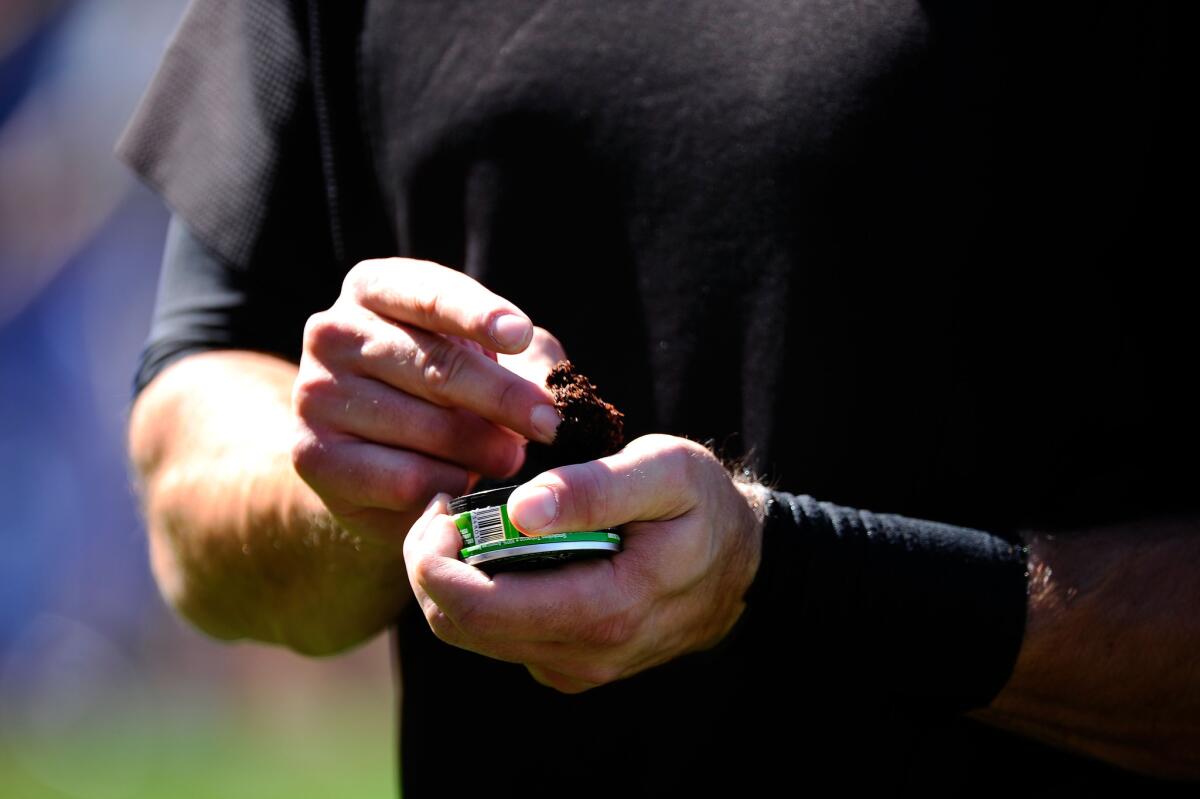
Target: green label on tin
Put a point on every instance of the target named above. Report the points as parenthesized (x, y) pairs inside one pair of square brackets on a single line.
[(486, 526), (463, 522), (489, 530)]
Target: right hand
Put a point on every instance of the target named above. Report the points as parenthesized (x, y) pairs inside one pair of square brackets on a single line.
[(400, 395)]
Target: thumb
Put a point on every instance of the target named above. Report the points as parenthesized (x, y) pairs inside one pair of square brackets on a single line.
[(648, 480)]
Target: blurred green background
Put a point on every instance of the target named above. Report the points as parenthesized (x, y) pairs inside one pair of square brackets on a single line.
[(103, 692)]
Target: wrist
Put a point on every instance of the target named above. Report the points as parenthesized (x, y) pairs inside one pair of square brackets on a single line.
[(756, 496), (736, 564)]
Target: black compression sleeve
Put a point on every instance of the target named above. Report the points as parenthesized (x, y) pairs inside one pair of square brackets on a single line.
[(891, 605)]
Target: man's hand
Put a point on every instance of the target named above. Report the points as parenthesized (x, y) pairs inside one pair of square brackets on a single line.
[(691, 541), (400, 394)]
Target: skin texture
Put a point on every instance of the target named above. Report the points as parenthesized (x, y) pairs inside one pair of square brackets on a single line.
[(691, 549), (1110, 664), (233, 529), (278, 501), (277, 497)]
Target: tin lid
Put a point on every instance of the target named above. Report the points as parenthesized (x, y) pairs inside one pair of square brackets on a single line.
[(481, 499)]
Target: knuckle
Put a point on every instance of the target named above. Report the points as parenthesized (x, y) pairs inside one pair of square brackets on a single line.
[(425, 293), (653, 442), (326, 332), (375, 352), (684, 462), (359, 279), (436, 293), (316, 330), (441, 625), (694, 459), (424, 289), (442, 365), (678, 450), (307, 453), (311, 392), (510, 397), (410, 489), (423, 568), (351, 279), (585, 491)]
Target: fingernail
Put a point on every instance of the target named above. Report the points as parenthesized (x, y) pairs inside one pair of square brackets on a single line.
[(437, 499), (531, 508), (510, 331), (545, 421), (417, 531)]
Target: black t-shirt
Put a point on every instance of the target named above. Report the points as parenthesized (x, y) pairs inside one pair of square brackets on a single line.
[(913, 257)]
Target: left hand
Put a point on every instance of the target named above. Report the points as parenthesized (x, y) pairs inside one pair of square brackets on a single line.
[(691, 545)]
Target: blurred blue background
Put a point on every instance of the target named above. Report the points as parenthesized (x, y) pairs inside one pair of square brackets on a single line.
[(103, 692)]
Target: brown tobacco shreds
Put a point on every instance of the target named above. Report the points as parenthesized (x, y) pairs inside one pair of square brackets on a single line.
[(591, 428)]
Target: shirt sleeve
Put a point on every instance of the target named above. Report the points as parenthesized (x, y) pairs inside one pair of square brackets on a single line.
[(889, 606), (206, 303), (227, 135)]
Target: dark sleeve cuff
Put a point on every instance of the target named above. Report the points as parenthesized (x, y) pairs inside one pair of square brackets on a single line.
[(886, 605)]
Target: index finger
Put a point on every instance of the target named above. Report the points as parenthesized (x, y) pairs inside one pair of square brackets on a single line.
[(440, 300)]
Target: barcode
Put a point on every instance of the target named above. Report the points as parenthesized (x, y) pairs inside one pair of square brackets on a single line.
[(488, 525)]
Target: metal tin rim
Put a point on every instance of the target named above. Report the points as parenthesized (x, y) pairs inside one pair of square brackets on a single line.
[(481, 499), (532, 549)]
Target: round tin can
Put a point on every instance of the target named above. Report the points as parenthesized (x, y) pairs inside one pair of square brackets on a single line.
[(491, 542)]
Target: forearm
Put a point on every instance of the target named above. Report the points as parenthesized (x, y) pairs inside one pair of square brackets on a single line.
[(1107, 662), (239, 544), (1110, 663)]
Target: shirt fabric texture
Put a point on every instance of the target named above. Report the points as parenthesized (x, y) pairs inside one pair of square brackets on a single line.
[(913, 257)]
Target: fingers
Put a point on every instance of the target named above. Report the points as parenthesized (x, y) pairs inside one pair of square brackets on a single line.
[(350, 474), (653, 478), (369, 410), (593, 622), (440, 300), (569, 626), (431, 558), (503, 614), (429, 366)]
